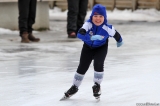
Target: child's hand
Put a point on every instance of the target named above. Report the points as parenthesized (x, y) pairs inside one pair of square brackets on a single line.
[(119, 44), (97, 37)]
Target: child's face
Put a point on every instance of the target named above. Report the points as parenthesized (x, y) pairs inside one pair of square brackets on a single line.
[(98, 19)]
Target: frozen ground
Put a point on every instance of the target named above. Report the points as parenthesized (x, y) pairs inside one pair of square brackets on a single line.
[(37, 74)]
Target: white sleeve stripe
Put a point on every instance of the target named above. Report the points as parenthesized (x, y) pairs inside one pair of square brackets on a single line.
[(87, 26), (110, 31)]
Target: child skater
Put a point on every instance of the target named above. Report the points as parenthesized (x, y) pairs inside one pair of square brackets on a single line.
[(94, 33)]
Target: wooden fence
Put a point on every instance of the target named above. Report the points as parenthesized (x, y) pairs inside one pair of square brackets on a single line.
[(111, 4)]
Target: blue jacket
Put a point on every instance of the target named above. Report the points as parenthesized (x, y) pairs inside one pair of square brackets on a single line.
[(104, 29)]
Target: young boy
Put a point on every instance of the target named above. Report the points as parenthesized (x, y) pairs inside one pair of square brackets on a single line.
[(94, 33)]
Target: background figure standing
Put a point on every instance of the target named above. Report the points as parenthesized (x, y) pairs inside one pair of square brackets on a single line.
[(77, 10), (26, 19)]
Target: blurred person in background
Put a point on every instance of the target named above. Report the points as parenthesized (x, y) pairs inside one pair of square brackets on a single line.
[(77, 10), (26, 19)]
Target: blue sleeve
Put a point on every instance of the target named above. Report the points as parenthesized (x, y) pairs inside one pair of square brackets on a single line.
[(82, 34), (85, 37)]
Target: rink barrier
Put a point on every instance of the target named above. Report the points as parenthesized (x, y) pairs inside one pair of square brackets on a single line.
[(111, 4)]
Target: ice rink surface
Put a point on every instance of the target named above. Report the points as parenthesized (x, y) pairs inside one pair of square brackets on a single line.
[(38, 74)]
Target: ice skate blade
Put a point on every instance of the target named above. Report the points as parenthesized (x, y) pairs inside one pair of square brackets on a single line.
[(64, 98), (97, 99)]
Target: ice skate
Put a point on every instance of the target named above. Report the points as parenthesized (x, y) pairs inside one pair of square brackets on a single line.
[(70, 92), (96, 91)]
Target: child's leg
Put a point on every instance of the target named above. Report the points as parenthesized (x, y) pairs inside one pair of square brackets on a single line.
[(77, 79), (85, 61), (99, 58), (98, 77)]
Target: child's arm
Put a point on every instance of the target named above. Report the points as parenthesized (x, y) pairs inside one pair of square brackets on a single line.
[(113, 33), (85, 37), (82, 34), (118, 38)]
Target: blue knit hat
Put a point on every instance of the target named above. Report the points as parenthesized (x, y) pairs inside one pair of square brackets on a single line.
[(99, 9)]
